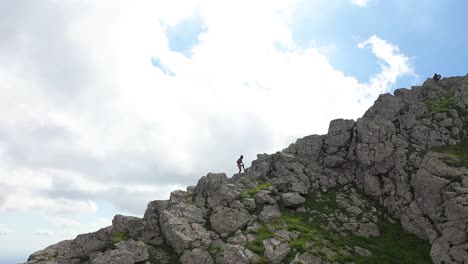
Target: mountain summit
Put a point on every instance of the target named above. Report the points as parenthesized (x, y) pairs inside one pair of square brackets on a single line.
[(391, 187)]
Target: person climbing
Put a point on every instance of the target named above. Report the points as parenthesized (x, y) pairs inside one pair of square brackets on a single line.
[(240, 164), (436, 77)]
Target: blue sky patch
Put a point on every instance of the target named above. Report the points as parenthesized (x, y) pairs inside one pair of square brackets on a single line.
[(423, 30), (183, 36), (158, 64)]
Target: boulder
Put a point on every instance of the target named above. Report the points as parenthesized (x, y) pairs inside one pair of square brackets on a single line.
[(429, 185), (414, 221), (114, 257), (306, 258), (232, 254), (276, 250), (269, 213), (137, 248), (252, 256), (339, 133), (454, 235), (127, 252), (83, 245), (196, 256), (133, 226), (386, 106), (208, 184), (249, 203), (61, 250), (371, 185), (223, 196), (354, 210), (362, 251), (155, 207), (439, 251), (263, 197), (183, 227), (459, 253), (237, 239), (229, 220), (368, 230), (309, 148), (333, 161), (292, 199)]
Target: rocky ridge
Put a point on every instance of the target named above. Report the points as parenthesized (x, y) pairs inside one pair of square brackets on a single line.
[(343, 197)]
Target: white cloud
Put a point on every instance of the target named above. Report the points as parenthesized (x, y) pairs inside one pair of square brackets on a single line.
[(63, 192), (361, 3), (64, 223), (45, 233), (94, 120), (100, 223), (26, 190), (393, 65)]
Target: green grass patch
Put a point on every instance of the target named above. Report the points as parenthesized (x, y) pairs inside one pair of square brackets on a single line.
[(52, 256), (299, 244), (260, 186), (459, 151), (311, 235), (394, 245), (262, 260), (214, 249), (119, 237), (171, 255), (260, 235), (442, 105), (298, 222), (244, 195), (289, 150), (326, 203)]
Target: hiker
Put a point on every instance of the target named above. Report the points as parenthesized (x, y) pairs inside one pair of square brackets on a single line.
[(436, 77), (240, 164)]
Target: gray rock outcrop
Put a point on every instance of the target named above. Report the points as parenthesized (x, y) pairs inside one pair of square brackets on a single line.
[(387, 168)]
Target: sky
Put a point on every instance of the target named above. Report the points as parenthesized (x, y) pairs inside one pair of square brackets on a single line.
[(107, 105)]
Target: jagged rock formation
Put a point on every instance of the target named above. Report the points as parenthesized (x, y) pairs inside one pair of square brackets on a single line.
[(343, 197)]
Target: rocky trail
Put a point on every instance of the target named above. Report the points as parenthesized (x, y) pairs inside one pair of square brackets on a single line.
[(391, 187)]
